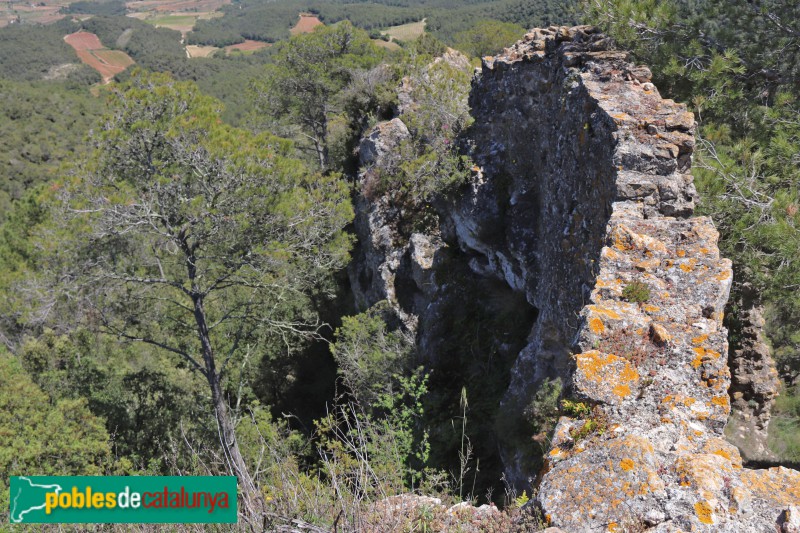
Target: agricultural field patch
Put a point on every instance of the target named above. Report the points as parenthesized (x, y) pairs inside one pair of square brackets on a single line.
[(91, 51), (248, 46), (184, 7), (83, 40), (306, 24), (21, 12), (406, 32), (193, 50), (389, 45)]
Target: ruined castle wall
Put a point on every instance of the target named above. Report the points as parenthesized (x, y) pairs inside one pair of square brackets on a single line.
[(620, 195), (582, 187), (555, 164)]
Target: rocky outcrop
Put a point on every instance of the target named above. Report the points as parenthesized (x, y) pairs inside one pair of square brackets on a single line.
[(754, 387), (582, 202)]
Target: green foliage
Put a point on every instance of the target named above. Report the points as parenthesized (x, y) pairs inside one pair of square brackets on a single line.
[(298, 92), (636, 292), (368, 353), (388, 434), (784, 428), (591, 426), (445, 18), (34, 52), (488, 37), (95, 7), (429, 163), (542, 412), (522, 499), (142, 399), (42, 126), (575, 409), (43, 436)]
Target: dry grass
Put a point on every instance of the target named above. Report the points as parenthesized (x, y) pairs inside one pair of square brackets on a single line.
[(247, 47), (406, 32), (389, 45), (200, 51)]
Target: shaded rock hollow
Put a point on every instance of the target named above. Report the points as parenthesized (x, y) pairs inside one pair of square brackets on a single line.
[(582, 188)]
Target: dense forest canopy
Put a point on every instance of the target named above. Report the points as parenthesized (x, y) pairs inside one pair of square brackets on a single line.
[(247, 160)]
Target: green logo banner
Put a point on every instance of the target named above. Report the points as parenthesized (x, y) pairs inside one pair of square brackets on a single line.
[(122, 500)]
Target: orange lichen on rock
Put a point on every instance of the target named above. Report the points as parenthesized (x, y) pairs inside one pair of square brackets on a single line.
[(722, 276), (610, 313), (704, 512), (609, 376), (596, 325), (626, 464), (722, 400), (779, 485), (704, 471)]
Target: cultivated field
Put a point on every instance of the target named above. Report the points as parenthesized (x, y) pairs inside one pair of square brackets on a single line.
[(83, 40), (91, 51), (40, 12), (406, 32), (176, 6), (306, 24), (247, 46), (182, 22), (193, 50)]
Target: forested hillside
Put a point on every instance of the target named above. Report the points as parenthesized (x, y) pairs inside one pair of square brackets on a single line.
[(174, 245), (252, 19)]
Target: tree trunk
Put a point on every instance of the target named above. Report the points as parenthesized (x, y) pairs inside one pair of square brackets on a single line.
[(236, 463), (252, 500)]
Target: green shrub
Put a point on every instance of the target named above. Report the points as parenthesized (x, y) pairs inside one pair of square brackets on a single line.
[(636, 292), (542, 412), (575, 409)]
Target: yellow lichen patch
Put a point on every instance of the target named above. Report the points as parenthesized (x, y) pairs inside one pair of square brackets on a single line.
[(724, 449), (596, 325), (722, 453), (619, 118), (626, 464), (626, 239), (681, 253), (608, 253), (685, 267), (704, 471), (703, 355), (603, 311), (722, 276), (647, 264), (613, 527), (606, 377), (621, 390), (700, 339), (722, 401), (651, 308), (779, 485), (704, 512)]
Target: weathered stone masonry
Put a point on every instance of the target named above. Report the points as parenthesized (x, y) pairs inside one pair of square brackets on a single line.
[(584, 187)]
